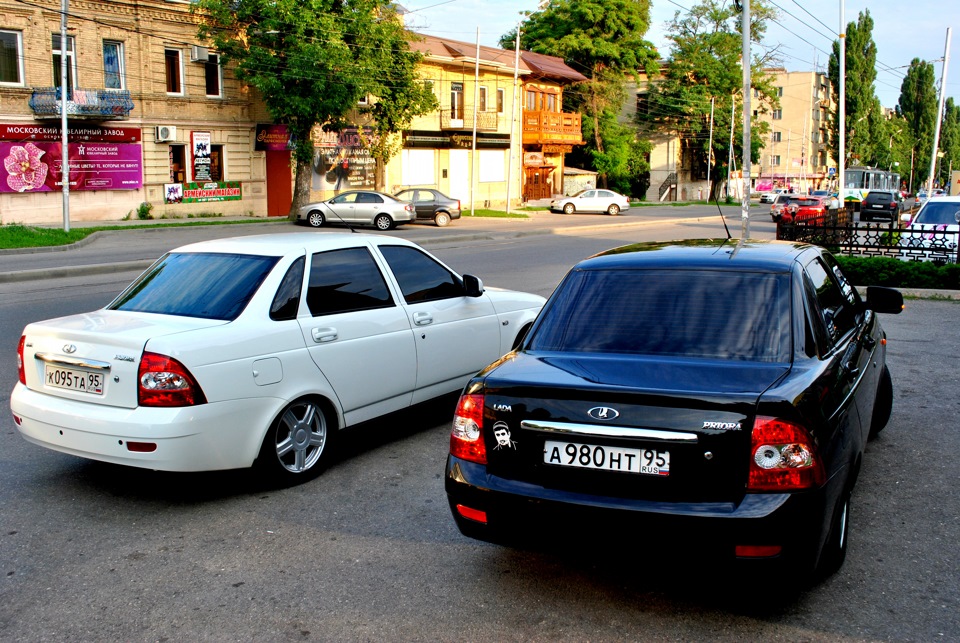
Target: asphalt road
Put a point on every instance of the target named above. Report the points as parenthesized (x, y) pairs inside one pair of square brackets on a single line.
[(368, 550)]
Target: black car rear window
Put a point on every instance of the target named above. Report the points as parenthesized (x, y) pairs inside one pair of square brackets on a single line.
[(681, 313), (206, 285)]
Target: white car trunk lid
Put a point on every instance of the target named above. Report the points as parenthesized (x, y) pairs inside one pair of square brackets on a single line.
[(94, 357)]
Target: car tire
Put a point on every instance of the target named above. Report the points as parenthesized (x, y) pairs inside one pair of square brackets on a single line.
[(883, 404), (315, 219), (613, 210), (298, 443), (835, 549), (442, 219), (383, 222), (568, 208)]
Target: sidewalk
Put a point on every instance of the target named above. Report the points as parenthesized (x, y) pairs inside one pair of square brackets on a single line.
[(123, 250)]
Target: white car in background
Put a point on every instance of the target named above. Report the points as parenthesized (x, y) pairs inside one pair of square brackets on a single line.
[(257, 350), (933, 234), (595, 200)]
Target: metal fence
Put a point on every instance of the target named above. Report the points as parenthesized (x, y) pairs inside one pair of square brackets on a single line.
[(875, 239)]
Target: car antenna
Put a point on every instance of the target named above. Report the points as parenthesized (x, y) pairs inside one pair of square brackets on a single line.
[(346, 223), (716, 200)]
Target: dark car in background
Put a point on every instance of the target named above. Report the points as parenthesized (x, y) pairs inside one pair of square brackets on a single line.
[(697, 399), (884, 205), (431, 204)]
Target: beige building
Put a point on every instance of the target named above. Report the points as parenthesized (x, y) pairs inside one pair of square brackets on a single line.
[(795, 153)]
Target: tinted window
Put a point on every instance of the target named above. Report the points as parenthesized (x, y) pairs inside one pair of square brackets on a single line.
[(835, 307), (207, 285), (345, 280), (420, 277), (684, 313), (938, 213), (286, 302)]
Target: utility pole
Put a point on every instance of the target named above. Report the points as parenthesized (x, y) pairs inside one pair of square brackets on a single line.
[(64, 132), (476, 105), (747, 161), (842, 161), (943, 96), (710, 150), (733, 103), (513, 114)]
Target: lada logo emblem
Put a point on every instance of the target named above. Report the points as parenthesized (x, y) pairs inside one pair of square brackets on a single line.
[(69, 349), (603, 413)]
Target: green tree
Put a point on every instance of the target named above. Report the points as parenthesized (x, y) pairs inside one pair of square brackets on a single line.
[(312, 61), (603, 40), (918, 106), (707, 48), (861, 104)]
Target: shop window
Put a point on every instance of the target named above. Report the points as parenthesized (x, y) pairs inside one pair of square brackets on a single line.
[(11, 58), (178, 163), (216, 163), (174, 71), (113, 66), (59, 54), (213, 76)]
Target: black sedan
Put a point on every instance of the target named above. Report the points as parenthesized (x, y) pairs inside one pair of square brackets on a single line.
[(707, 398), (432, 205)]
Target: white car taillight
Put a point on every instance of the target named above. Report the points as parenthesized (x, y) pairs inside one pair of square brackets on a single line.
[(21, 369), (163, 381)]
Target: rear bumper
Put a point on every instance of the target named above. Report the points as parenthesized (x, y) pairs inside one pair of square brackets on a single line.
[(796, 522), (222, 435)]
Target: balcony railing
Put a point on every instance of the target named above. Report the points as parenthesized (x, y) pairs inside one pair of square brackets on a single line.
[(463, 119), (92, 104), (551, 127)]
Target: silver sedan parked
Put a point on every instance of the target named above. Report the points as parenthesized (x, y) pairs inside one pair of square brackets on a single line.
[(364, 207), (592, 201)]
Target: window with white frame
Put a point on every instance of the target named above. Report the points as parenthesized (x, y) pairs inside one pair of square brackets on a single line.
[(493, 166), (774, 160), (213, 76), (71, 62), (173, 66), (482, 98), (777, 114), (779, 91), (417, 167), (11, 57), (113, 65), (500, 94), (776, 137)]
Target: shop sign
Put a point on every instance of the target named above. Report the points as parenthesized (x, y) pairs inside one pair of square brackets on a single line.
[(533, 159), (557, 149), (272, 138), (76, 133), (341, 161), (38, 167), (196, 192), (200, 146), (462, 139)]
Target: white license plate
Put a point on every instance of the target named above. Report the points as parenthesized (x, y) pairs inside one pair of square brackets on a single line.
[(879, 207), (589, 456), (73, 380)]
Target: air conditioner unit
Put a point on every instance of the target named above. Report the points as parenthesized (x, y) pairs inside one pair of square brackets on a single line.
[(199, 54), (166, 133)]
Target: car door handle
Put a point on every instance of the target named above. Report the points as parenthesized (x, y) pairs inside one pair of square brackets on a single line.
[(851, 369), (422, 319), (324, 335), (869, 342)]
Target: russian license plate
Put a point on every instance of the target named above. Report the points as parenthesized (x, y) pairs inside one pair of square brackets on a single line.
[(73, 380), (878, 206), (588, 456)]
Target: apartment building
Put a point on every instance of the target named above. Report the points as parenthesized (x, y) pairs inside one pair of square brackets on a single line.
[(795, 154)]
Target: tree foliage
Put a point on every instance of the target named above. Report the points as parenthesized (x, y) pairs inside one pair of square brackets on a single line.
[(918, 105), (603, 40), (704, 64), (862, 108), (950, 144), (313, 60)]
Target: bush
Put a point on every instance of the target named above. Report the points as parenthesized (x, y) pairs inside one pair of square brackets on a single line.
[(143, 211), (887, 271)]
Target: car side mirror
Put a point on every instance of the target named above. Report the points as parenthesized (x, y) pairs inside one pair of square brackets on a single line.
[(881, 299), (472, 285)]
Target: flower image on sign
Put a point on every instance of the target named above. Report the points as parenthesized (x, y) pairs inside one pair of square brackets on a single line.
[(25, 170)]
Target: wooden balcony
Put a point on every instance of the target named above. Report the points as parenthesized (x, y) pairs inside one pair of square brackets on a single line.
[(551, 128), (486, 121)]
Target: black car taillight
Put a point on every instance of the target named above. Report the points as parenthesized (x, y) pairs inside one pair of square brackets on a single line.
[(466, 437), (783, 457)]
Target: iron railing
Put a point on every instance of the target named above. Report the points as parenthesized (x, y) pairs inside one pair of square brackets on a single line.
[(876, 240), (103, 104)]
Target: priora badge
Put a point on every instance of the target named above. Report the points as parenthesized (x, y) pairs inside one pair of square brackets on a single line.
[(603, 413), (69, 349)]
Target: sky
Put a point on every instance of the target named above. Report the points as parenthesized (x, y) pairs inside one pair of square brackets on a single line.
[(902, 31)]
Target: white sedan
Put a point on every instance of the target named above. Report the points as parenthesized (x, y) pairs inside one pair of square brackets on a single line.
[(933, 233), (592, 201), (256, 351)]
